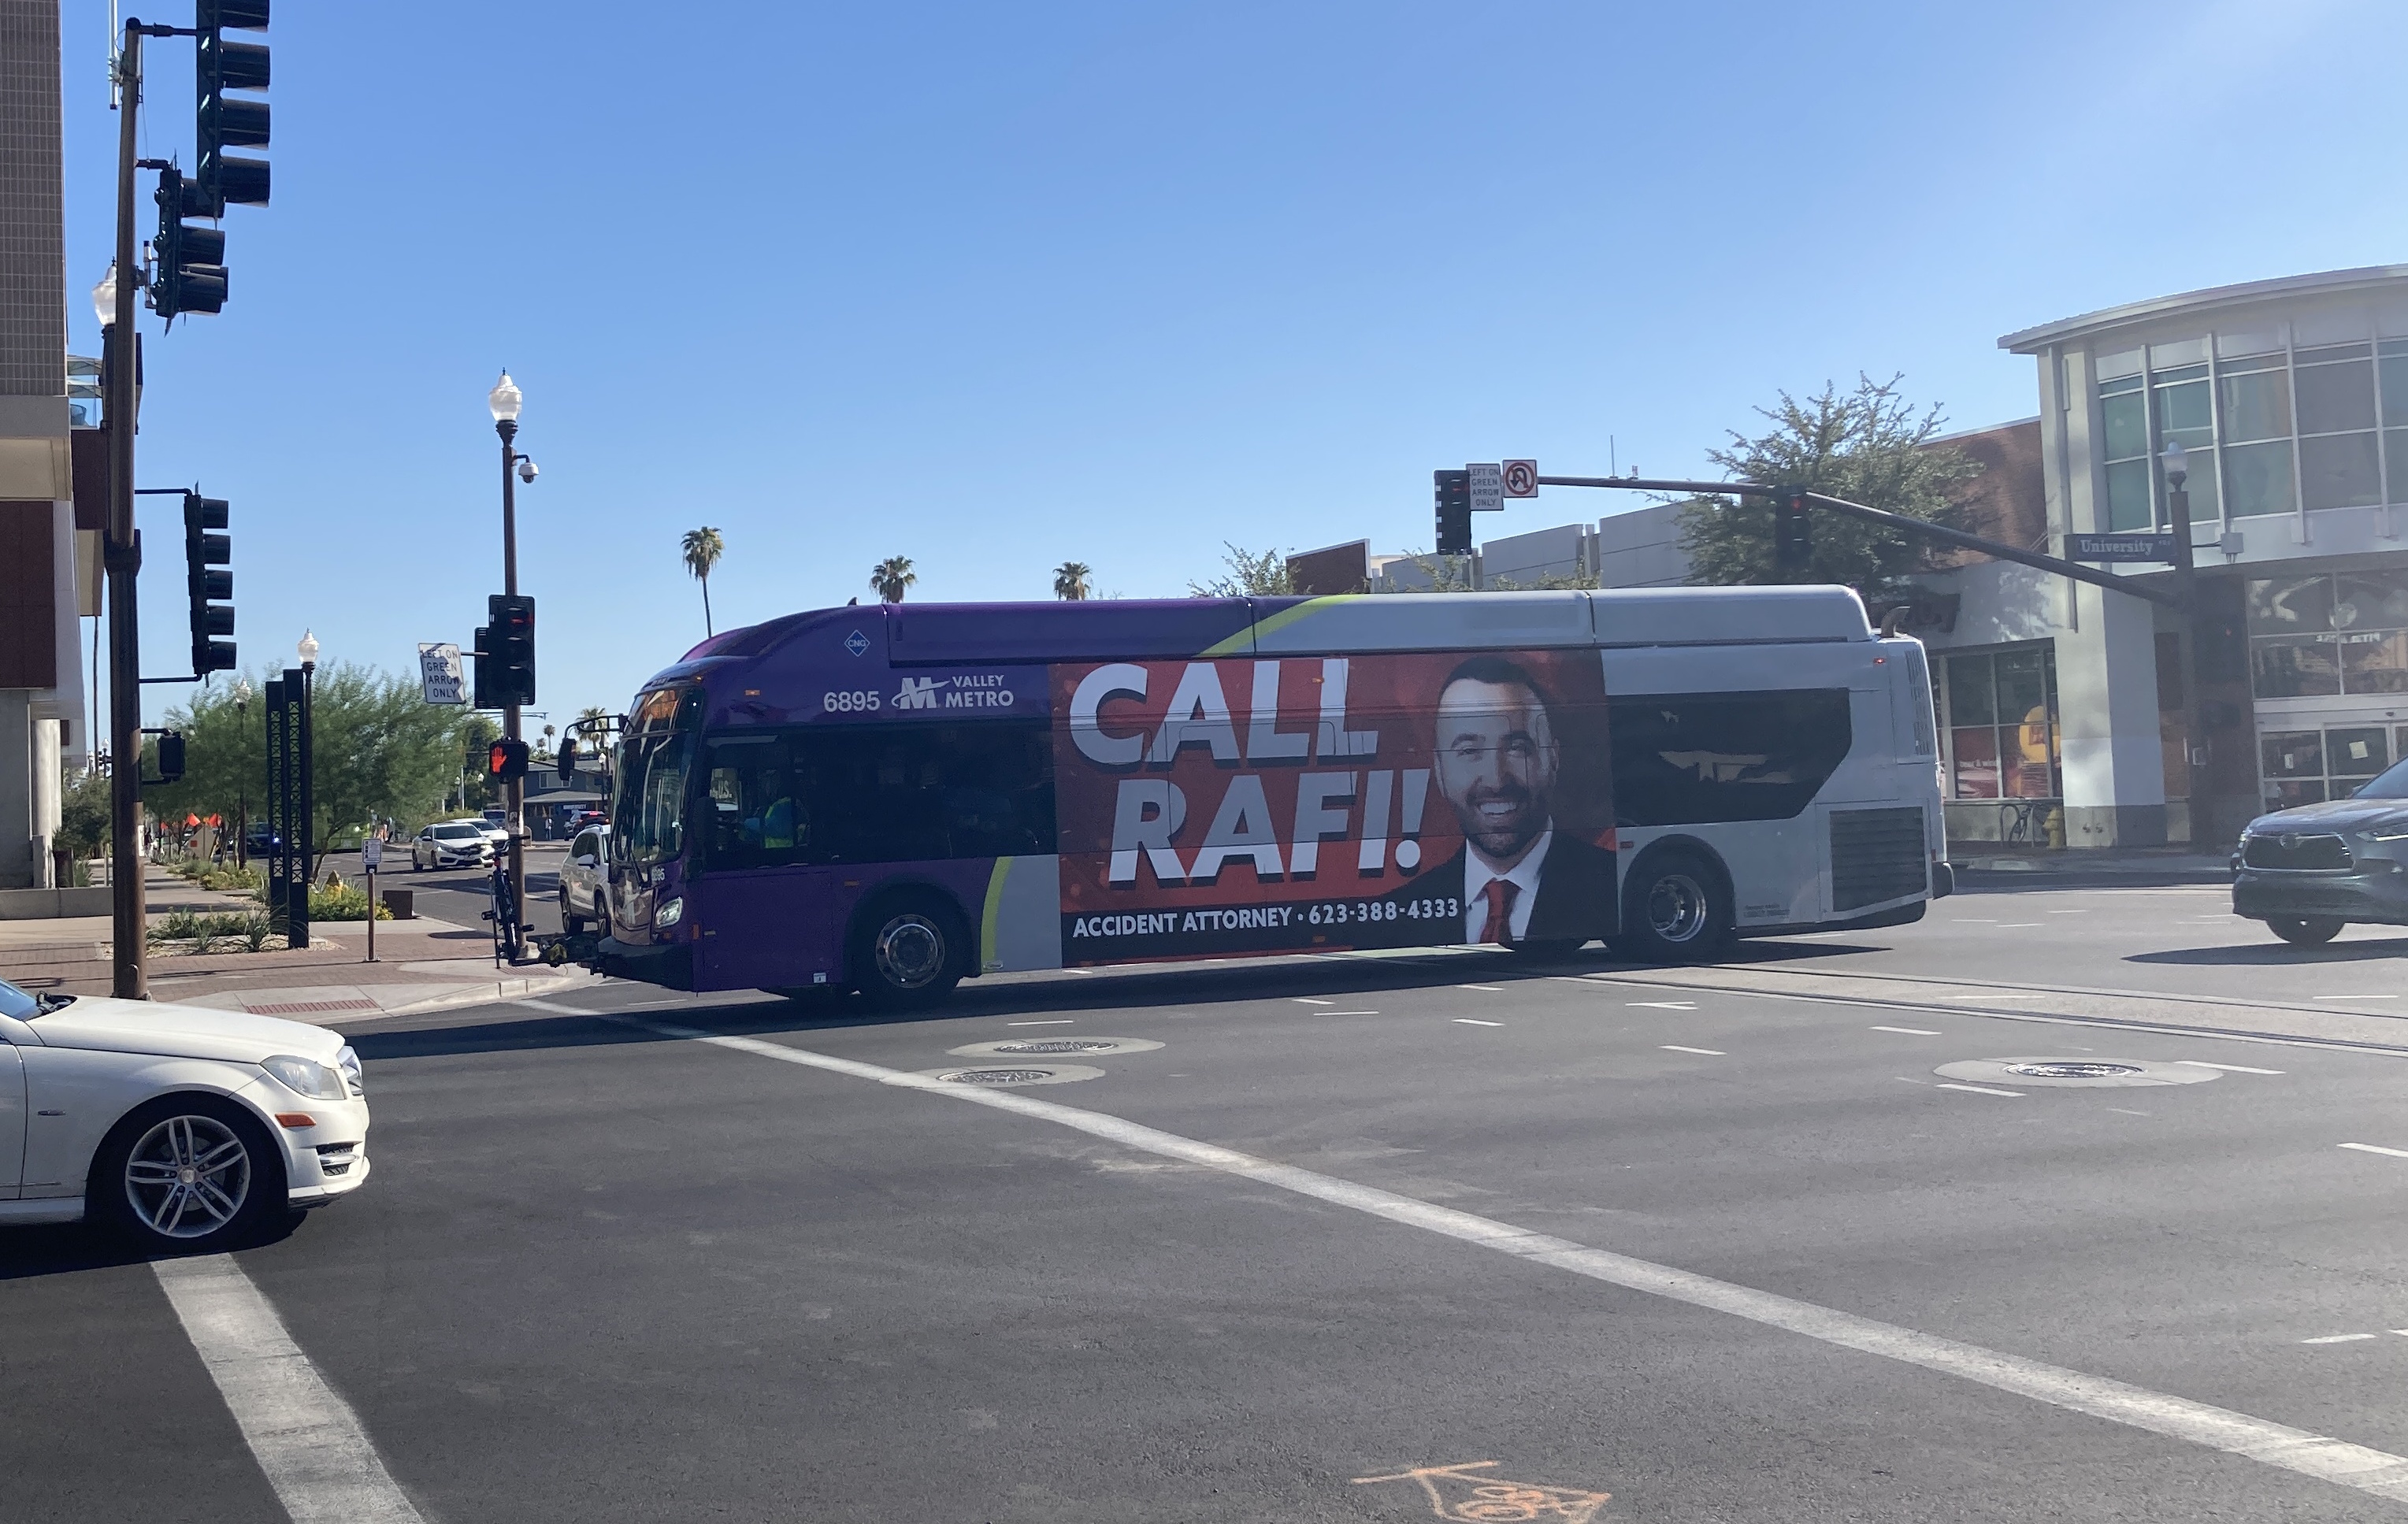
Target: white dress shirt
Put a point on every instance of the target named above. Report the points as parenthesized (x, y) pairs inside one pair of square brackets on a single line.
[(1524, 877)]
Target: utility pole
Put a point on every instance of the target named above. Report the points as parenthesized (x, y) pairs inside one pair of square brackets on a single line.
[(121, 558), (2194, 619), (503, 402)]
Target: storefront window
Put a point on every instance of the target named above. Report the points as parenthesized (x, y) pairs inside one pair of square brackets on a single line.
[(2317, 636), (1999, 711)]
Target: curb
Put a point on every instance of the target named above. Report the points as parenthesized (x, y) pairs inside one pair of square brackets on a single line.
[(345, 1004)]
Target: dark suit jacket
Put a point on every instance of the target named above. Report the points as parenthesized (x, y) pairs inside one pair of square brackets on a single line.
[(1576, 897)]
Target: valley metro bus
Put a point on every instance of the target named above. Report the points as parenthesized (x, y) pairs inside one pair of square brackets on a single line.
[(896, 798)]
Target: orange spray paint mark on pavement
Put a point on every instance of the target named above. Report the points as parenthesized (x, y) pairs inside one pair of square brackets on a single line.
[(1460, 1492)]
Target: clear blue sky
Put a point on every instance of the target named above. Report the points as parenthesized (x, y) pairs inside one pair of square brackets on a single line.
[(998, 287)]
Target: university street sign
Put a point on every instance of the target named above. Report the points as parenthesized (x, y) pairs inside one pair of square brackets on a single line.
[(2144, 546)]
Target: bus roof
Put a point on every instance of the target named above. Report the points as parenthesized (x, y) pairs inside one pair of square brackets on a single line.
[(917, 635)]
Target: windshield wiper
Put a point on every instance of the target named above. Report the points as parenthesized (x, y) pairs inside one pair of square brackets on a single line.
[(47, 1003)]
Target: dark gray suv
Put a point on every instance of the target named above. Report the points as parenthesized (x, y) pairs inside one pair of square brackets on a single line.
[(2311, 870)]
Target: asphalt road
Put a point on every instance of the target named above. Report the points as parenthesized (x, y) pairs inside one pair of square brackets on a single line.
[(1718, 1253)]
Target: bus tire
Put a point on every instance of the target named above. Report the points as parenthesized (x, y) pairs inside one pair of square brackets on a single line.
[(907, 952), (1676, 908)]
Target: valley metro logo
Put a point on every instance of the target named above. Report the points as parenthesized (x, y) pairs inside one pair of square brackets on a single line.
[(917, 693)]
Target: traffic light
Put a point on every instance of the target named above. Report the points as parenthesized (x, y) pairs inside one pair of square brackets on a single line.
[(171, 758), (506, 652), (507, 759), (567, 758), (1793, 535), (211, 590), (229, 121), (1454, 492), (190, 275)]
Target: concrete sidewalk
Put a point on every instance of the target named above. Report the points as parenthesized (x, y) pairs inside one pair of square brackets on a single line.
[(422, 965), (2109, 867)]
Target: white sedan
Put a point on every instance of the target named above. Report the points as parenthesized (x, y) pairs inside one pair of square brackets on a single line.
[(184, 1127), (453, 844)]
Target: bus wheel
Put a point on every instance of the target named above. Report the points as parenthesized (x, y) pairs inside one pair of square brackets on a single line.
[(2307, 931), (1676, 910), (907, 954)]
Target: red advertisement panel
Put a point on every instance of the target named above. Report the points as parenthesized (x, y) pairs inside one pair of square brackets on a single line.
[(1310, 802)]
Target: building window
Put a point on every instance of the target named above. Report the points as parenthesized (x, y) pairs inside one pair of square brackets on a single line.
[(2256, 396), (2339, 463), (2124, 419), (2323, 635), (1999, 714), (2187, 416)]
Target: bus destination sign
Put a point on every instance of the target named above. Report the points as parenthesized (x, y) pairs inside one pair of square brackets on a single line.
[(2142, 547)]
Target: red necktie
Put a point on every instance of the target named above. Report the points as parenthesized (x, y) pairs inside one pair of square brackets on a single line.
[(1499, 894)]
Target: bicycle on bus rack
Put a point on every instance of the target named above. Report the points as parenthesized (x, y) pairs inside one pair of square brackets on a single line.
[(509, 935)]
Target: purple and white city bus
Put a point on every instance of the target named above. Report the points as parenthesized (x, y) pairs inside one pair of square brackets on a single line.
[(897, 798)]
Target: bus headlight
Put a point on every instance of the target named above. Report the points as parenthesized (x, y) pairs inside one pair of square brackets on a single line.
[(669, 914)]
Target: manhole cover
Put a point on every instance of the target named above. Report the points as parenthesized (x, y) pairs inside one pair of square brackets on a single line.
[(2071, 1070), (999, 1077), (1032, 1047), (2052, 1070)]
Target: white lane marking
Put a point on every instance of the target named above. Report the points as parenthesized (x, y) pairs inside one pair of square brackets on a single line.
[(1484, 988), (2229, 1068), (554, 1006), (1308, 1000), (2070, 912), (2340, 1338), (2371, 1470), (2374, 1149), (2128, 1111), (1708, 1052), (303, 1434), (1979, 1089), (1662, 1004), (1053, 1021), (1475, 1021), (1345, 1013), (2016, 925), (1906, 1032)]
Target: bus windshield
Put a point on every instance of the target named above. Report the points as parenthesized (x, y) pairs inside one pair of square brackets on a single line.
[(650, 819)]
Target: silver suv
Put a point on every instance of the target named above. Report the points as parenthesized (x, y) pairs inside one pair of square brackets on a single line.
[(586, 881), (2311, 870)]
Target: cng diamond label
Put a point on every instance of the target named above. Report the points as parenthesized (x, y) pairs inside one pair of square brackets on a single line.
[(856, 643)]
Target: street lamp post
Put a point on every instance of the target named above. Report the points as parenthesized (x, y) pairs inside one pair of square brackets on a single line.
[(242, 792), (2176, 462), (301, 799), (503, 402)]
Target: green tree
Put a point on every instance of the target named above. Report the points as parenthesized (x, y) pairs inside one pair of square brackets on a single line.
[(1246, 574), (377, 749), (1070, 580), (702, 547), (83, 814), (892, 578), (1868, 446)]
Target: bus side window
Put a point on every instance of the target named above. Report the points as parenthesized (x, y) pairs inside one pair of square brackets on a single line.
[(1690, 759)]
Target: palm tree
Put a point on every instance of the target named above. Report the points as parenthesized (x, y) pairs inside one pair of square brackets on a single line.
[(1070, 580), (703, 547), (892, 577)]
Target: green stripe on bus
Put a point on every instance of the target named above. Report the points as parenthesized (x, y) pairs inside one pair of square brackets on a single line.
[(987, 958), (1281, 620)]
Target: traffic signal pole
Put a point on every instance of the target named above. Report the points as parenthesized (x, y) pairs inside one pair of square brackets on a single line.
[(122, 560), (1920, 528), (513, 789)]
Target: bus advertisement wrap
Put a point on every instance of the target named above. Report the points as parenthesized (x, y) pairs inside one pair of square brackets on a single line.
[(1315, 803)]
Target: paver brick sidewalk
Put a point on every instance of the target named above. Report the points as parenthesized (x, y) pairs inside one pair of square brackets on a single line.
[(422, 964)]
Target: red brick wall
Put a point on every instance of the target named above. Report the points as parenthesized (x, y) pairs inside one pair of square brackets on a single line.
[(2008, 501)]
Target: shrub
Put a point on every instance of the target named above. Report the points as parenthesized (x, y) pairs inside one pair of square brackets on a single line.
[(342, 901)]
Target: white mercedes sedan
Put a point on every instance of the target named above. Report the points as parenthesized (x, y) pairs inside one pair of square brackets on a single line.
[(183, 1127)]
